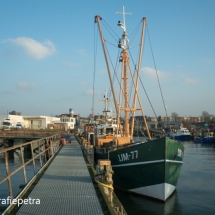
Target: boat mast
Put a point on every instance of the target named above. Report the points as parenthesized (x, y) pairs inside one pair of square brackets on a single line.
[(125, 63), (106, 101), (125, 60), (97, 20), (137, 79)]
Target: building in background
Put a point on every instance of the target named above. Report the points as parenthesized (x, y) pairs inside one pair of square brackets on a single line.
[(65, 122), (10, 121), (39, 122)]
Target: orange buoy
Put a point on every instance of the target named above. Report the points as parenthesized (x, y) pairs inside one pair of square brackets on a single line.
[(63, 141)]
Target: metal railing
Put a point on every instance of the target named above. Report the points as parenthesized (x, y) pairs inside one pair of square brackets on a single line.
[(42, 148)]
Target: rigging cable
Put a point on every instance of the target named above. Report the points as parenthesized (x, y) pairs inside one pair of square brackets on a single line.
[(135, 31), (135, 69), (158, 77), (134, 73), (115, 75), (144, 88), (111, 43), (105, 24), (110, 29), (112, 62)]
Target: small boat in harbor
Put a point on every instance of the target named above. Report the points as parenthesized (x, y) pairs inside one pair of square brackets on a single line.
[(181, 134), (150, 168), (208, 137)]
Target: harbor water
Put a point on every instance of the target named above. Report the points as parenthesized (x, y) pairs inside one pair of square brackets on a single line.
[(195, 193)]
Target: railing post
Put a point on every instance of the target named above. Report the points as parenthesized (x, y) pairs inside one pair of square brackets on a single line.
[(23, 165), (8, 173), (44, 148), (38, 143), (32, 152), (49, 148), (54, 143)]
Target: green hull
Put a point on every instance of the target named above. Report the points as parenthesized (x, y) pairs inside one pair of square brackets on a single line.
[(151, 168)]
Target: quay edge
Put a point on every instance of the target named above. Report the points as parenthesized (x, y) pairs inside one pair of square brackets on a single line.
[(114, 208)]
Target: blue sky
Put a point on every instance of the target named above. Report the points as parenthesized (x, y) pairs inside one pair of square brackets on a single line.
[(47, 54)]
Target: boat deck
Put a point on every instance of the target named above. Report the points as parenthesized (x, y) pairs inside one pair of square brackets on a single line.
[(66, 186)]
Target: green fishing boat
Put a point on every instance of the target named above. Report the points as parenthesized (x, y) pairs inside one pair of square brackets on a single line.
[(151, 167)]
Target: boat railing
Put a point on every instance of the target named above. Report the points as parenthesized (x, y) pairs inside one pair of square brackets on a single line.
[(34, 152), (126, 145)]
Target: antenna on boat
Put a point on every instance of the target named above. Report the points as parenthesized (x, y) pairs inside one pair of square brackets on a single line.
[(123, 16), (123, 26), (106, 100)]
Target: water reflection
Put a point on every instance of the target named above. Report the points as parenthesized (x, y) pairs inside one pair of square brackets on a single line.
[(134, 204)]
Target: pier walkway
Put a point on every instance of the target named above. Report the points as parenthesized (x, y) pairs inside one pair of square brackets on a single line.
[(65, 187)]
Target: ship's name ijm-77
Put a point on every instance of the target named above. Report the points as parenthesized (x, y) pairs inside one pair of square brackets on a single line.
[(127, 156)]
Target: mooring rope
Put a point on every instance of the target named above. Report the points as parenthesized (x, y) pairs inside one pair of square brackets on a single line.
[(105, 185)]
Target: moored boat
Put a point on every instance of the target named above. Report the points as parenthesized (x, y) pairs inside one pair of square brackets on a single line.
[(181, 134), (149, 168), (208, 137)]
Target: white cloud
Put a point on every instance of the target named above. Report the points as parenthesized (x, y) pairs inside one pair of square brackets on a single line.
[(70, 64), (33, 48), (82, 52), (89, 92), (190, 81), (151, 73), (84, 83), (25, 86), (102, 71)]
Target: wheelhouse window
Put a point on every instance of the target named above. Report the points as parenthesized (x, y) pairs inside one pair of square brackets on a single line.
[(101, 131), (109, 130)]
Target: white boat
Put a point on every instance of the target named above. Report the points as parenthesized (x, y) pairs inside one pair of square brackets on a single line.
[(181, 134)]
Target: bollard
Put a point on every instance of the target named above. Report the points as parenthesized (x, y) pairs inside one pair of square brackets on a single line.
[(104, 177), (63, 141)]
